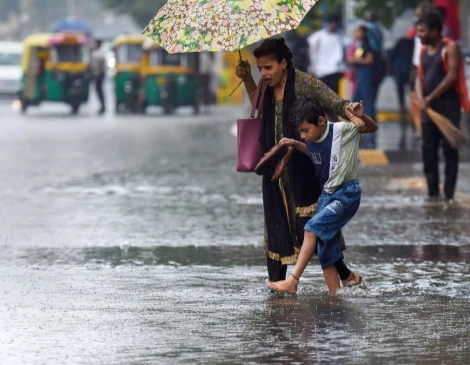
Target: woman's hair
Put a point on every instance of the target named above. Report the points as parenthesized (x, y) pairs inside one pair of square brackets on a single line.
[(308, 110), (276, 48)]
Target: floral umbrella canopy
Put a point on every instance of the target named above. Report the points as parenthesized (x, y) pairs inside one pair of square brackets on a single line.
[(223, 25)]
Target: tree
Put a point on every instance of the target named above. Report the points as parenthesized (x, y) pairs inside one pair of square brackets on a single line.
[(386, 10), (141, 10)]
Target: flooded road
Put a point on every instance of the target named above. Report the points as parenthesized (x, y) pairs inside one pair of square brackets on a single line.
[(133, 240)]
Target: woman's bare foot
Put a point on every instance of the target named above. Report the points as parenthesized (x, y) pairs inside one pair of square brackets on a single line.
[(284, 286), (354, 279)]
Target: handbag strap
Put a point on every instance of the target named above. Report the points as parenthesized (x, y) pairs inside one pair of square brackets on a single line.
[(258, 101)]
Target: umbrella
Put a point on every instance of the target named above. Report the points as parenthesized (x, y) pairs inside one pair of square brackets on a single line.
[(72, 25), (223, 25)]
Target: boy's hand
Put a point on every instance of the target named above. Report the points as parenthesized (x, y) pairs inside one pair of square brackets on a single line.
[(287, 142), (359, 123)]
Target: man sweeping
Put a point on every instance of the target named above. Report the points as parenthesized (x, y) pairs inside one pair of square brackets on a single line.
[(438, 87)]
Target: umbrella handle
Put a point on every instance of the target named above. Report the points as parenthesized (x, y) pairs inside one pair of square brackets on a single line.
[(233, 91), (243, 65)]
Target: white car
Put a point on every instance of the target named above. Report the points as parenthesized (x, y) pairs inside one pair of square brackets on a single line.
[(10, 68)]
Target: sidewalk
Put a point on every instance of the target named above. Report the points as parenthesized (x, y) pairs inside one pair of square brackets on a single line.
[(403, 146)]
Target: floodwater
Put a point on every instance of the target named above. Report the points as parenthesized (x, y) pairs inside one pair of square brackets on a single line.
[(132, 240)]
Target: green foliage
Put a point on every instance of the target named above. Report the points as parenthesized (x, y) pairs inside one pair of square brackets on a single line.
[(141, 10), (386, 10)]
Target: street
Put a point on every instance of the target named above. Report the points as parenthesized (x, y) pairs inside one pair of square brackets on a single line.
[(132, 240)]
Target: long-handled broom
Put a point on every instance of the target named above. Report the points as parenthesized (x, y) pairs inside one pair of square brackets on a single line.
[(448, 129)]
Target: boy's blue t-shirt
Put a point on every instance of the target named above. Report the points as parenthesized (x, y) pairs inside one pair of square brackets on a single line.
[(336, 155)]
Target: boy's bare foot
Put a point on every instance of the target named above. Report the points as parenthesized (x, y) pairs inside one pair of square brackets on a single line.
[(353, 280), (284, 286)]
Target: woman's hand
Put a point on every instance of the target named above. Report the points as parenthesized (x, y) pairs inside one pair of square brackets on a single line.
[(356, 109), (243, 70), (287, 142)]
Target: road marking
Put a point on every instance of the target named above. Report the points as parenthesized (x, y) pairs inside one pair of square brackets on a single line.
[(373, 157)]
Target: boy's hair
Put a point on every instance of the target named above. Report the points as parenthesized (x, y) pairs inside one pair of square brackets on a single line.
[(308, 110), (432, 21)]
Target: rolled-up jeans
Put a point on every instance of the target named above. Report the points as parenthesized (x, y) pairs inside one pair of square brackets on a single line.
[(333, 212)]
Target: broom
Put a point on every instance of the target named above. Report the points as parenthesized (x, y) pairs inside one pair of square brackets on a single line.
[(416, 117), (449, 130)]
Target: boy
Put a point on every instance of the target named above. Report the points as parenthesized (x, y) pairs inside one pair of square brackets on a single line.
[(334, 150)]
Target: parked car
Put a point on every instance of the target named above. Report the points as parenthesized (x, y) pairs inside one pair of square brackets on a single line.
[(10, 68)]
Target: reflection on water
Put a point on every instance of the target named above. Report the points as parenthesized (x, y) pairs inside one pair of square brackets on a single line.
[(224, 256), (201, 313)]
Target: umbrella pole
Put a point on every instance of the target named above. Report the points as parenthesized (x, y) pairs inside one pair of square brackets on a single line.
[(242, 64)]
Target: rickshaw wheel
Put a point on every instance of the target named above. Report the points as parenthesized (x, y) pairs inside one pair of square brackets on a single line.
[(75, 107), (168, 110), (143, 108), (197, 109), (24, 106), (197, 103), (120, 107)]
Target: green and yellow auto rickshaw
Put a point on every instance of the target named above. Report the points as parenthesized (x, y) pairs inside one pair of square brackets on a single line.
[(55, 68), (169, 80), (127, 79)]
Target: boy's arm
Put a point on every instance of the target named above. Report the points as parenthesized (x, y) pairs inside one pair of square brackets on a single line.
[(299, 146), (365, 124), (371, 125)]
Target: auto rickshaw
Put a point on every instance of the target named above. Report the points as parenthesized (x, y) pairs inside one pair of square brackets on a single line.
[(127, 79), (56, 68), (169, 80)]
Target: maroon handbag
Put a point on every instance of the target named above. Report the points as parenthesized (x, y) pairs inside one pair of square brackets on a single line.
[(248, 134)]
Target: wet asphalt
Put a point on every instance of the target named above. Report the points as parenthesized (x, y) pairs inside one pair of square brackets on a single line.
[(133, 240)]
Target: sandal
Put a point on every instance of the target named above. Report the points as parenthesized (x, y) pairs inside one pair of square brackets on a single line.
[(349, 282)]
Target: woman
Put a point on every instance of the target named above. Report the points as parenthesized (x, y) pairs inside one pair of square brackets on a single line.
[(290, 201), (363, 62)]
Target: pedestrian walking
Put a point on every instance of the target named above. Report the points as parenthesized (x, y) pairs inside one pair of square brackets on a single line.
[(291, 201), (334, 151), (98, 71), (400, 61), (327, 49), (375, 38), (300, 49), (437, 86), (362, 60)]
